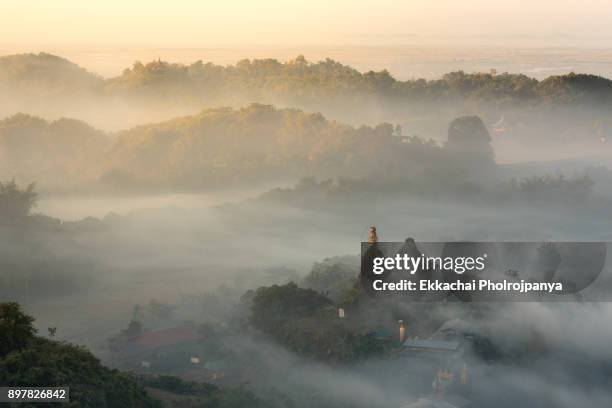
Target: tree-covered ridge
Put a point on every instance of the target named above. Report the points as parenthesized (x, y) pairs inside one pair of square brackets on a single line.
[(332, 79), (576, 88), (27, 360), (257, 143), (307, 323), (328, 78), (569, 108), (261, 142), (250, 142), (46, 73), (217, 146), (32, 148), (299, 80)]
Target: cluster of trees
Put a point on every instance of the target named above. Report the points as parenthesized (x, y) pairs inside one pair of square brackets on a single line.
[(305, 81), (29, 360), (42, 83), (259, 141), (335, 277), (552, 188), (33, 265), (224, 145), (297, 79), (346, 195), (16, 203), (307, 323), (45, 74), (35, 149), (188, 394)]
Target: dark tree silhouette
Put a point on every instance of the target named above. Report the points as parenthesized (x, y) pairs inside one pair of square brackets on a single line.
[(16, 329), (16, 202), (469, 133)]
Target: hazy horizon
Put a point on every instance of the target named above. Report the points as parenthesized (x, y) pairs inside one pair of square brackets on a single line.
[(414, 39), (403, 62), (190, 23)]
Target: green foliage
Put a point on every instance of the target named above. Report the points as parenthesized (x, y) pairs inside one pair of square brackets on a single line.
[(16, 329), (179, 386), (325, 337), (274, 305), (225, 146), (31, 361), (335, 277), (45, 73), (217, 146), (574, 88), (66, 149), (297, 81), (203, 395), (301, 82), (260, 142), (306, 322)]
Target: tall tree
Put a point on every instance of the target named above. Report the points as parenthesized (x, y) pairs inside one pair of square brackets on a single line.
[(16, 328)]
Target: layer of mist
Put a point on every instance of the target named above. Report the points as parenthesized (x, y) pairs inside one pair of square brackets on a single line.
[(246, 222)]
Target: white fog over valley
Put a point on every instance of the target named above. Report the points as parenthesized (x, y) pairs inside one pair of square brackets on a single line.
[(185, 189)]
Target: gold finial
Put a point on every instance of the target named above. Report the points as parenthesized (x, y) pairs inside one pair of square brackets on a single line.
[(372, 236)]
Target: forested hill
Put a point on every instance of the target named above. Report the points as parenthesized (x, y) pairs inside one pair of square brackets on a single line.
[(46, 73), (63, 150), (223, 146), (261, 142), (573, 107), (28, 360), (311, 81), (296, 79)]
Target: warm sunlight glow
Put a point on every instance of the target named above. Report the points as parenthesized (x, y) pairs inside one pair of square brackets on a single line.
[(188, 23)]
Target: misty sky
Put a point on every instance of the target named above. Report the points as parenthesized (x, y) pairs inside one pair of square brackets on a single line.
[(192, 23)]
